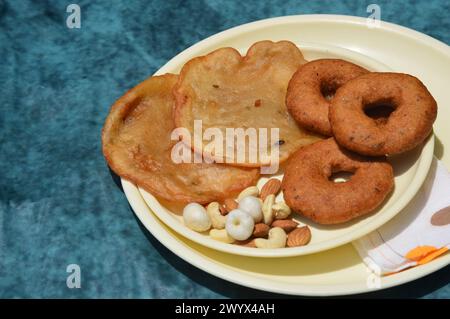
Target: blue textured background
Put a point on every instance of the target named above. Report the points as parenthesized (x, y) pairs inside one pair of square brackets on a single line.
[(58, 202)]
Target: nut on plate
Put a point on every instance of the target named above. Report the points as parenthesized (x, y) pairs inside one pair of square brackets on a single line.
[(223, 210), (277, 239), (267, 209), (281, 210), (260, 230), (272, 186), (249, 191), (217, 220), (230, 204), (246, 243), (221, 235), (299, 237), (288, 225)]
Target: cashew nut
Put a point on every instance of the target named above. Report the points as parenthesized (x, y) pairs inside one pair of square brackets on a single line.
[(221, 235), (267, 209), (249, 191), (277, 239), (217, 220), (281, 210)]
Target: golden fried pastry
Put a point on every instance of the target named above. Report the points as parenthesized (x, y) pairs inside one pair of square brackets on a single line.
[(227, 90), (312, 87), (137, 145), (309, 190), (409, 124)]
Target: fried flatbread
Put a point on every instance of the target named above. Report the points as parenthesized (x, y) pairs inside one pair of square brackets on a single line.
[(226, 90), (137, 145)]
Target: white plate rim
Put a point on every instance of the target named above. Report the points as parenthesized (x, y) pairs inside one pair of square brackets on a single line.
[(325, 18)]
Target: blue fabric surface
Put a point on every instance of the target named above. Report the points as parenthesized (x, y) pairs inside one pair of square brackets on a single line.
[(58, 202)]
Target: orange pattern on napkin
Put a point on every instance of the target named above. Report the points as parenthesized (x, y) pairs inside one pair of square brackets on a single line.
[(418, 234)]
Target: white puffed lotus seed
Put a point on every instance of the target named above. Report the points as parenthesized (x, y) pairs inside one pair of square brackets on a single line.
[(252, 206), (196, 218), (239, 224)]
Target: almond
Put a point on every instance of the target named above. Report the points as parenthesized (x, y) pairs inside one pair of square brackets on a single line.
[(288, 225), (223, 210), (246, 243), (272, 186), (261, 230), (299, 237), (230, 204)]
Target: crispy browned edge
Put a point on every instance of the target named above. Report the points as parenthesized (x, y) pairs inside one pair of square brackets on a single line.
[(181, 101), (118, 111)]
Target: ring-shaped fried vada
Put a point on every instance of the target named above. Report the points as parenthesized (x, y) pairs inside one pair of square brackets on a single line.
[(311, 90), (413, 111), (309, 189)]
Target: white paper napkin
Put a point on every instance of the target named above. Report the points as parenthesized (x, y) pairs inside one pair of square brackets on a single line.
[(418, 234)]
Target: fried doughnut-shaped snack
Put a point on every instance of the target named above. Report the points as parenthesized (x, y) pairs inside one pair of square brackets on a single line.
[(308, 190), (409, 124), (311, 88), (137, 145)]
